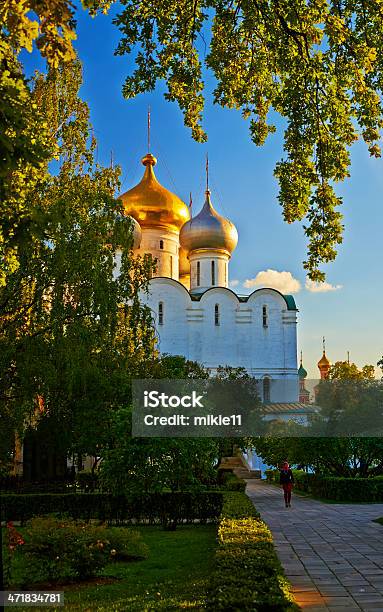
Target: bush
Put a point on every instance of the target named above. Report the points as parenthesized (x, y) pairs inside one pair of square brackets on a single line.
[(231, 482), (86, 481), (335, 488), (247, 573), (61, 550), (166, 508), (126, 544)]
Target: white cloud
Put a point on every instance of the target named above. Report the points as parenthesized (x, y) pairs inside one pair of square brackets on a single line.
[(315, 287), (282, 281), (234, 283)]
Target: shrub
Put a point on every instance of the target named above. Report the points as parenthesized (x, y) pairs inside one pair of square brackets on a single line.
[(231, 482), (86, 481), (335, 488), (166, 508), (247, 573), (126, 544), (61, 550)]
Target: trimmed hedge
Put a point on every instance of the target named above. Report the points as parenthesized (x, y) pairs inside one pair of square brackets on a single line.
[(335, 488), (231, 482), (247, 573), (166, 508)]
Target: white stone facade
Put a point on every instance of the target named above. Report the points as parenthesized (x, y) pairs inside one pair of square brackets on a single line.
[(194, 311), (217, 327)]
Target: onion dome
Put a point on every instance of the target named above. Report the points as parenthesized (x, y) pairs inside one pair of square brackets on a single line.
[(302, 372), (209, 230), (323, 362), (151, 204), (184, 264)]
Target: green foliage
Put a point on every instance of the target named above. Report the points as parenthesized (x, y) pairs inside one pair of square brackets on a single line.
[(343, 370), (136, 465), (163, 508), (335, 488), (317, 64), (348, 457), (59, 550), (25, 148), (247, 574), (230, 482), (71, 334)]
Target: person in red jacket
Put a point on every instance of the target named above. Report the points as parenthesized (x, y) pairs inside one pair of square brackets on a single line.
[(286, 480)]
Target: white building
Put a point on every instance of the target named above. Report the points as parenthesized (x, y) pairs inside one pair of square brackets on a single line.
[(196, 314)]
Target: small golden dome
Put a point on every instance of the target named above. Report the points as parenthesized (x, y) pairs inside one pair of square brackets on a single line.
[(209, 230), (151, 204), (323, 362)]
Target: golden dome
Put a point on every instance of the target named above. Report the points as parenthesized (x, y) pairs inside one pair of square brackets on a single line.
[(209, 230), (323, 362), (151, 204)]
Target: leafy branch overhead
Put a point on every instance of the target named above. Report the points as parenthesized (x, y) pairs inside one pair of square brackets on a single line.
[(316, 63)]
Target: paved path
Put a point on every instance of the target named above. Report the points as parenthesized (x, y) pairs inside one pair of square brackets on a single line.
[(332, 553)]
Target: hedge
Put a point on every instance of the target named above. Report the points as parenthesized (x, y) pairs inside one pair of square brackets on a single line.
[(152, 508), (335, 488), (230, 482), (247, 574)]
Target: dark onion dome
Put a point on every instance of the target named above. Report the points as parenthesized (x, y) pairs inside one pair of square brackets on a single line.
[(209, 230), (302, 372)]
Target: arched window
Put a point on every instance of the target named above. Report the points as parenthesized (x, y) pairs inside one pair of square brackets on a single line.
[(213, 272), (216, 314), (171, 266), (264, 316), (225, 273), (266, 389), (161, 244), (198, 273), (160, 313)]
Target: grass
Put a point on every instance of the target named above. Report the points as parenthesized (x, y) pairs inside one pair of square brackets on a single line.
[(173, 577), (379, 520)]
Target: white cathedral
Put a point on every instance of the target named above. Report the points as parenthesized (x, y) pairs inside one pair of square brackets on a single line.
[(195, 312)]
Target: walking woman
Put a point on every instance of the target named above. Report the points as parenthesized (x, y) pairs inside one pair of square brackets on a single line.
[(287, 481)]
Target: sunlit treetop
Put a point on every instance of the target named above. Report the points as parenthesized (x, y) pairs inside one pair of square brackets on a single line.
[(316, 63)]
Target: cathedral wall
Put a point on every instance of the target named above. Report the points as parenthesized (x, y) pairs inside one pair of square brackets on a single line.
[(237, 338)]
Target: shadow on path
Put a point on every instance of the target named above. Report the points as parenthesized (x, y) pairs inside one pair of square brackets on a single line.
[(331, 553)]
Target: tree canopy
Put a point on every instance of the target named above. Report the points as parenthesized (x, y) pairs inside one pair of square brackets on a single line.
[(72, 331), (317, 64)]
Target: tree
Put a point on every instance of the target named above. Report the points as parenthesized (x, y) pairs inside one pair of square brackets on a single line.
[(136, 465), (345, 438), (317, 64), (70, 327), (343, 370)]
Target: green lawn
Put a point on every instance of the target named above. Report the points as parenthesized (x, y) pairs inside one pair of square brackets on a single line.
[(173, 577)]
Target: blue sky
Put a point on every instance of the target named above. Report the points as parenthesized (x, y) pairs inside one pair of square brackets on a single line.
[(244, 189)]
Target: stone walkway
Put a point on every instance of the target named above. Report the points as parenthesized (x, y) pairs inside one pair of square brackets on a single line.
[(332, 553)]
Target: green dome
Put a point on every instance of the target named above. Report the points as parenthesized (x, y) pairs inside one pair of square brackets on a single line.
[(302, 372)]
